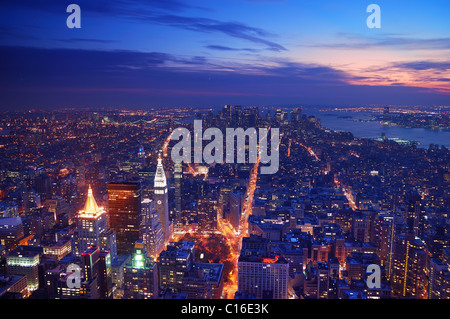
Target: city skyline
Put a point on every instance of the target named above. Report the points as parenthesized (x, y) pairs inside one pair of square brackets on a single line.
[(113, 187), (197, 53), (99, 192)]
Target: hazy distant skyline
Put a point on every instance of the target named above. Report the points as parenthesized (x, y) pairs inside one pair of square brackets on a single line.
[(210, 53)]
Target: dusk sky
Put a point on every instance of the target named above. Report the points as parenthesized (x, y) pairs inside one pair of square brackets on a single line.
[(161, 53)]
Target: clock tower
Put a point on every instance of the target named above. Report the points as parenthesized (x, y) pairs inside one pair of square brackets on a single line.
[(161, 199)]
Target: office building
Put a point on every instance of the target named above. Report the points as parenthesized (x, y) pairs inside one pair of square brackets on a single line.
[(161, 199), (91, 224), (96, 267), (11, 231), (174, 262), (409, 279), (207, 214), (260, 272), (24, 260), (178, 179), (140, 275), (124, 209), (152, 233)]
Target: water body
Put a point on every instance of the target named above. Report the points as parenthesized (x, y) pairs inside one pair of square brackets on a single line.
[(360, 125)]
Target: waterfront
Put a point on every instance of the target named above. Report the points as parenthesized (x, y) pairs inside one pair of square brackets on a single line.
[(361, 125)]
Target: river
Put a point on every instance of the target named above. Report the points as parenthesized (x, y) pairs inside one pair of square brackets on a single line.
[(359, 124)]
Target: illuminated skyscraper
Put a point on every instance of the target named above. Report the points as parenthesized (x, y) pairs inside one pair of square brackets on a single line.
[(24, 260), (152, 234), (408, 267), (91, 223), (161, 199), (96, 268), (140, 275), (124, 201)]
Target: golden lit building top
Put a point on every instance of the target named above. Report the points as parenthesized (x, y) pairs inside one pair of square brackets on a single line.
[(91, 209)]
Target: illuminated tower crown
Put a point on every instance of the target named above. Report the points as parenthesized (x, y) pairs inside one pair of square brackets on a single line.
[(160, 176), (91, 209)]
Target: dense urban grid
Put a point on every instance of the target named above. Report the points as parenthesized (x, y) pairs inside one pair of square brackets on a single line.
[(99, 190)]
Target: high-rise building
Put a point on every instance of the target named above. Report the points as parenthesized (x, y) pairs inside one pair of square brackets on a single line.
[(97, 283), (24, 260), (152, 234), (11, 231), (180, 274), (43, 185), (260, 272), (203, 281), (439, 275), (227, 113), (409, 260), (414, 212), (174, 262), (161, 199), (108, 242), (360, 228), (322, 273), (91, 224), (124, 201), (178, 178), (383, 230), (140, 275), (207, 214)]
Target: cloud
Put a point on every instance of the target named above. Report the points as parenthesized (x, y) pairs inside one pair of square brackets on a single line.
[(423, 65), (225, 48), (206, 25), (167, 12), (355, 41), (35, 77)]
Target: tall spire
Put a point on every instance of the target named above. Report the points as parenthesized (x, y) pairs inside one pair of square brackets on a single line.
[(90, 207), (160, 176)]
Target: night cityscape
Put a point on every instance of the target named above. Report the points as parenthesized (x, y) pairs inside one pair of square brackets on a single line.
[(94, 206)]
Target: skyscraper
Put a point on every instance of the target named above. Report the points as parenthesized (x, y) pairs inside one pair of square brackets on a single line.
[(141, 275), (409, 261), (91, 223), (124, 201), (152, 234), (413, 212), (178, 177), (174, 262), (161, 199), (97, 282)]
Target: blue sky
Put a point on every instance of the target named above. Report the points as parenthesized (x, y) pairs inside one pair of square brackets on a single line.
[(209, 53)]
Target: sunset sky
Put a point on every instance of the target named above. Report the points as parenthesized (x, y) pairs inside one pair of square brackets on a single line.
[(161, 53)]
